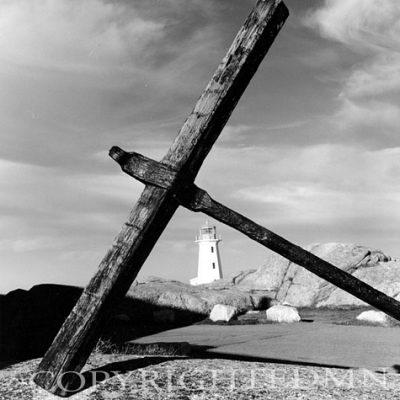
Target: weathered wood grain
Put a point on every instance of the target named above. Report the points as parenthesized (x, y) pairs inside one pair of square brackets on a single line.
[(196, 199), (156, 206), (145, 169)]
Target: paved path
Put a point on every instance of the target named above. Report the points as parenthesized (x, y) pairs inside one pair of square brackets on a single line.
[(315, 343)]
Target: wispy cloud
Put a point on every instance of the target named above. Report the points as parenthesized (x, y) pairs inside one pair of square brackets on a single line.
[(378, 115), (378, 76), (73, 35), (370, 92), (73, 71), (25, 245), (362, 24), (47, 208), (234, 133), (329, 185)]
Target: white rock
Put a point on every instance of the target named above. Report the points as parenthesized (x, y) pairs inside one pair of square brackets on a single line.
[(221, 312), (280, 313), (375, 317)]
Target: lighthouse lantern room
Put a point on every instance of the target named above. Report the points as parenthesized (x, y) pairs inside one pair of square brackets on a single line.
[(209, 264)]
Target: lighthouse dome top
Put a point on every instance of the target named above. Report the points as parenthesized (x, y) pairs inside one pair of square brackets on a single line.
[(208, 232)]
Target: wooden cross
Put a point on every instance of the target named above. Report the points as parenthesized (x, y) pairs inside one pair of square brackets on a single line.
[(170, 183)]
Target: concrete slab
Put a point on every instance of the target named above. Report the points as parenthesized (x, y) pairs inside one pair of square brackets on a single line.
[(375, 348)]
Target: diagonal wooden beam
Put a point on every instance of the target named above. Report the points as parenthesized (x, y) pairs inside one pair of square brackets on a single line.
[(195, 199), (156, 206)]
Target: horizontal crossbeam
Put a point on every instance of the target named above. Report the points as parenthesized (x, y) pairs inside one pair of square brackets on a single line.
[(195, 199)]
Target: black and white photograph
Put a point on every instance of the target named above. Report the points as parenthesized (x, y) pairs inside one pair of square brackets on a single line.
[(199, 199)]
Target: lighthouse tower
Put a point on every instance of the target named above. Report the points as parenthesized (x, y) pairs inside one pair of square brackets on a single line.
[(209, 266)]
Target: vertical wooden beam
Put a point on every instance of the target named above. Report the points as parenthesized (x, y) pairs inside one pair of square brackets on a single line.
[(156, 206)]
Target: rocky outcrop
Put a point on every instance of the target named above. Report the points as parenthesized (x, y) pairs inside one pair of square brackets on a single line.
[(29, 319), (294, 285), (198, 299), (384, 276), (278, 281)]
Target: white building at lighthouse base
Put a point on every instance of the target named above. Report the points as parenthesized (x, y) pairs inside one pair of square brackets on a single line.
[(209, 264)]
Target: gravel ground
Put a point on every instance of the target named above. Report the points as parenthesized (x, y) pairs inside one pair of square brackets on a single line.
[(155, 377)]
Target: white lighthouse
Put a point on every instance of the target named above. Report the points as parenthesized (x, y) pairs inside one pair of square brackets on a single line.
[(209, 266)]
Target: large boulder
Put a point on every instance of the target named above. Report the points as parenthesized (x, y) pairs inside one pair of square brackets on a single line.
[(384, 276), (222, 312), (29, 319), (289, 283)]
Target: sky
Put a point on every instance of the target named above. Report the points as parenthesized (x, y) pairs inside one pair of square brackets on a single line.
[(312, 150)]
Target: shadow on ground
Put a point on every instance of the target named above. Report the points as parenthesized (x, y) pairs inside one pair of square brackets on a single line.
[(30, 319)]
